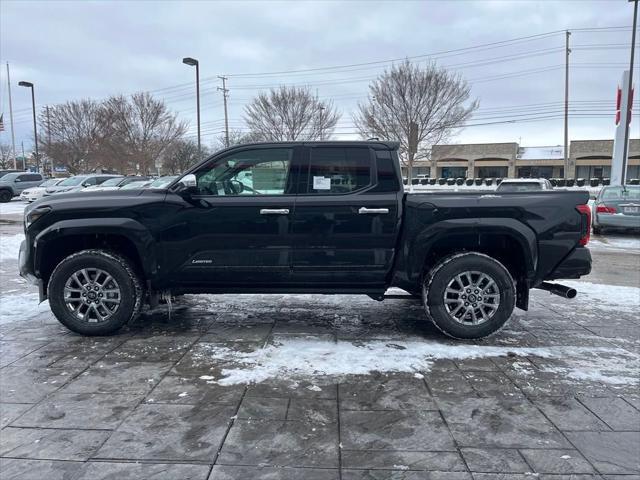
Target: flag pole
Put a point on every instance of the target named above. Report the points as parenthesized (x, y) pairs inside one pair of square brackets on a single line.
[(13, 134)]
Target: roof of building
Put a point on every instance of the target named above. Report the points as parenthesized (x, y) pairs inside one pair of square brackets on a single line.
[(541, 153)]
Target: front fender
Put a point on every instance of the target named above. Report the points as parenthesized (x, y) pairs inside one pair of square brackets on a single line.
[(436, 232), (128, 228)]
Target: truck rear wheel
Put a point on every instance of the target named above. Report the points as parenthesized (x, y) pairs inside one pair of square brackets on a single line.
[(94, 292), (468, 295)]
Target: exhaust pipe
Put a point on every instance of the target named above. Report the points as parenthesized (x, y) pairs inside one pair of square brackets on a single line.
[(557, 289)]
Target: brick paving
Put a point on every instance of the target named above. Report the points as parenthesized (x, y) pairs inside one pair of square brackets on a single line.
[(146, 403)]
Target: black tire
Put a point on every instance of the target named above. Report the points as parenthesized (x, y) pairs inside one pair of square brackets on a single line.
[(438, 279), (596, 230), (5, 196), (128, 283)]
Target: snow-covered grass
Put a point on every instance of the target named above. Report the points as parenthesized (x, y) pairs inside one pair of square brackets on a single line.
[(10, 246), (304, 358), (616, 298), (14, 207), (20, 307)]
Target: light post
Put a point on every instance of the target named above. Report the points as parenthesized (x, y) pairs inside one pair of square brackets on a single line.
[(35, 129), (626, 116), (194, 63)]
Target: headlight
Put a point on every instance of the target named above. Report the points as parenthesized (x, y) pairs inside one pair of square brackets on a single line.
[(35, 214)]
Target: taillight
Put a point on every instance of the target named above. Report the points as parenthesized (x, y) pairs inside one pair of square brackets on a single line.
[(605, 209), (585, 229)]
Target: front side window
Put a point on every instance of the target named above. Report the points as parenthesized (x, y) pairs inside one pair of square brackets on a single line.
[(249, 172), (334, 170)]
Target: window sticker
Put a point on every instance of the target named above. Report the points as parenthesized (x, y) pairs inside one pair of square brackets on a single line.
[(321, 183)]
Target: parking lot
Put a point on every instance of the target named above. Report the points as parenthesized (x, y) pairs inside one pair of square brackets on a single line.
[(325, 387)]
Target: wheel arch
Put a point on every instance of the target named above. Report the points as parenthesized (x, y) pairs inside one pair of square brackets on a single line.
[(125, 236), (507, 240)]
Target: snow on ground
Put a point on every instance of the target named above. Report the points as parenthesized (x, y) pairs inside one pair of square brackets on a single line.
[(20, 307), (15, 206), (10, 246), (615, 243), (613, 297), (303, 358)]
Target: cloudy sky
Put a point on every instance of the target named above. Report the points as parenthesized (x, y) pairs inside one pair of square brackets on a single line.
[(512, 53)]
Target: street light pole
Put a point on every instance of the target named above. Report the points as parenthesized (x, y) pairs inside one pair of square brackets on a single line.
[(35, 128), (625, 117), (194, 63)]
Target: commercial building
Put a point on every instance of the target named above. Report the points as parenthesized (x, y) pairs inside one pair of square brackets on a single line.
[(587, 159)]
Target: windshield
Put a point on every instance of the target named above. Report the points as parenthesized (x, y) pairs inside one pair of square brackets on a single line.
[(9, 177), (631, 192), (112, 182), (132, 185), (73, 181), (519, 187), (162, 181), (51, 181)]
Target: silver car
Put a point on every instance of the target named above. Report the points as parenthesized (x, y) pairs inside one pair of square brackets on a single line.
[(617, 207)]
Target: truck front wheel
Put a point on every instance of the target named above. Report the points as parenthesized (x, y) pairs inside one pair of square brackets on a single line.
[(468, 295), (94, 292)]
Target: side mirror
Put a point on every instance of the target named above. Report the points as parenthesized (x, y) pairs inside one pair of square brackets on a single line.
[(187, 184), (17, 180)]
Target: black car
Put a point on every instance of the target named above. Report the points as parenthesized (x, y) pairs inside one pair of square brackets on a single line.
[(323, 217)]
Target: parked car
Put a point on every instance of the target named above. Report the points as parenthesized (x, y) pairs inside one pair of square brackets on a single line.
[(617, 207), (77, 183), (320, 218), (12, 184), (33, 194), (117, 182), (524, 185), (163, 182), (4, 172)]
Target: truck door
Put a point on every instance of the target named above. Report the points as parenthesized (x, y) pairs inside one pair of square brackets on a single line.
[(236, 230), (346, 219)]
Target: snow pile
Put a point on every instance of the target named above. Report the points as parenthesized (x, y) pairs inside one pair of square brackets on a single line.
[(20, 307), (610, 297), (618, 244), (15, 207), (10, 246), (303, 358)]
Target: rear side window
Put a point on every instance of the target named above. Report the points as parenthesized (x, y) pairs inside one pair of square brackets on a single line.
[(387, 175), (335, 170)]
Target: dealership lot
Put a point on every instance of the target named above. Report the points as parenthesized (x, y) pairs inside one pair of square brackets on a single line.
[(325, 387)]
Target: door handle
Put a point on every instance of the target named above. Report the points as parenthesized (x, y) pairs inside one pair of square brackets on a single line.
[(274, 211), (365, 210)]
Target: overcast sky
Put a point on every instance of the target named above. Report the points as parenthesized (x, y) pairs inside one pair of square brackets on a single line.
[(73, 50)]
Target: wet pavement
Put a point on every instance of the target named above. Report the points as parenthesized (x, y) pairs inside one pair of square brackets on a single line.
[(324, 387)]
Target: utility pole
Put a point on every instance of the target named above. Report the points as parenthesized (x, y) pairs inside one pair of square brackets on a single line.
[(321, 121), (626, 116), (13, 134), (224, 91), (49, 141), (566, 105), (24, 159)]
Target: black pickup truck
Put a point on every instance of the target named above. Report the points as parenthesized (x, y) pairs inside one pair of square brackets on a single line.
[(317, 217)]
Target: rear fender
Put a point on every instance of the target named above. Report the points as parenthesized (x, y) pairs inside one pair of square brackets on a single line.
[(479, 230)]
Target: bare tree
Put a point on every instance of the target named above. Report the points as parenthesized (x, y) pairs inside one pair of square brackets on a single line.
[(72, 134), (181, 155), (433, 98), (138, 130), (236, 137), (6, 159), (290, 113)]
